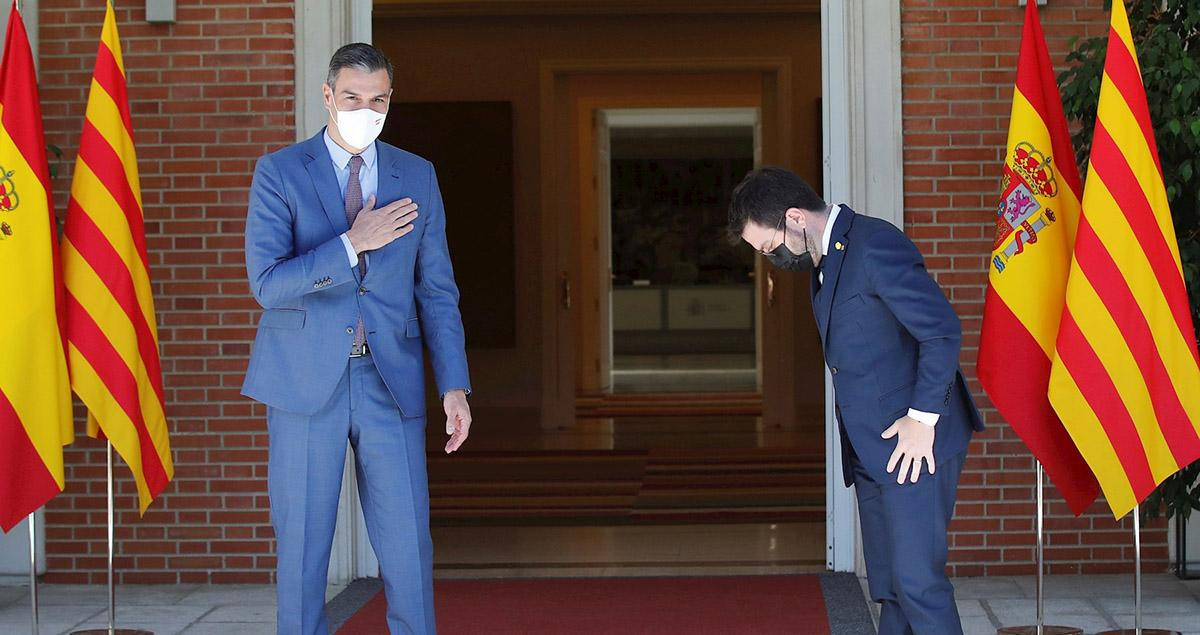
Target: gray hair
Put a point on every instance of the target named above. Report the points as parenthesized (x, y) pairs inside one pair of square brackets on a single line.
[(363, 57)]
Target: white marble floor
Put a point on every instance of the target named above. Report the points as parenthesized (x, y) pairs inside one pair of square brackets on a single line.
[(719, 549), (161, 609), (1093, 603)]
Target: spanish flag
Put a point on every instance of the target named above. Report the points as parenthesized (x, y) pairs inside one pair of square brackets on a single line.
[(35, 394), (1125, 378), (1036, 222), (111, 331)]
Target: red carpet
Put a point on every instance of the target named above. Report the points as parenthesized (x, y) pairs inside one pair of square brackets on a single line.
[(663, 606)]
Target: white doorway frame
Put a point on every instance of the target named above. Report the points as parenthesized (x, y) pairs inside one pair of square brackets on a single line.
[(14, 550), (863, 166), (29, 15), (322, 26)]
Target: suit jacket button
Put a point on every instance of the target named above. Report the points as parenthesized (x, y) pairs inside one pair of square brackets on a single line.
[(833, 370), (350, 330), (362, 291)]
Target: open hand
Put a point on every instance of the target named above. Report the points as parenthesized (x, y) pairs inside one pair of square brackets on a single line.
[(375, 228), (914, 447), (458, 419)]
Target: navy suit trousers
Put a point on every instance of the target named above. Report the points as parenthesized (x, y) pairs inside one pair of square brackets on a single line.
[(904, 542)]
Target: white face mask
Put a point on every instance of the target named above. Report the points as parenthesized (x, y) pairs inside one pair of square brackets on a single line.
[(359, 128)]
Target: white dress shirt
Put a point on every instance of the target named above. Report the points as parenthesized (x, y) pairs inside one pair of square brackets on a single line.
[(927, 418)]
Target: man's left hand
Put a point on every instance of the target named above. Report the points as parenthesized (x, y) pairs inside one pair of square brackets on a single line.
[(458, 419), (914, 447)]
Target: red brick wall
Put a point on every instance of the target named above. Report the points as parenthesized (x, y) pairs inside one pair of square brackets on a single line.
[(959, 61), (209, 94)]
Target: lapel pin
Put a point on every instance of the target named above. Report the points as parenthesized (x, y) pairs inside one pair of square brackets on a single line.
[(839, 246)]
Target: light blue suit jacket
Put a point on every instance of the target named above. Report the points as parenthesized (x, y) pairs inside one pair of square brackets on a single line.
[(299, 273)]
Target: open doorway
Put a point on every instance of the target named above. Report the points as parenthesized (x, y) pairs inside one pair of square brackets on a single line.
[(556, 70), (682, 314), (663, 316)]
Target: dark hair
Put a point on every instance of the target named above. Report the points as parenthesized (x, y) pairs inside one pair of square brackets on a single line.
[(765, 195), (363, 57)]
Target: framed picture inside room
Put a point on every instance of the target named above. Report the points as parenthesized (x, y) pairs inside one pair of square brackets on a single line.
[(471, 146)]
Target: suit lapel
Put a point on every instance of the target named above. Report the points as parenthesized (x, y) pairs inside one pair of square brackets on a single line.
[(831, 267), (390, 190), (389, 176), (320, 170)]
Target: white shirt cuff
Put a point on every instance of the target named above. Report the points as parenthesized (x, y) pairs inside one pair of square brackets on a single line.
[(928, 418), (349, 251)]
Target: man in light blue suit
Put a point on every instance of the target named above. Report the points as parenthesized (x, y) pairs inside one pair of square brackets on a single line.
[(891, 342), (351, 293)]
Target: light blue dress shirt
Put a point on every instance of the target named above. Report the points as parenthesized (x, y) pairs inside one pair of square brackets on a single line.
[(368, 178)]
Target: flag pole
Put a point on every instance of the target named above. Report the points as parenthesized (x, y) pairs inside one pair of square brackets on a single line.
[(1137, 585), (1137, 569), (1040, 627), (1041, 589), (112, 592), (33, 587), (112, 589)]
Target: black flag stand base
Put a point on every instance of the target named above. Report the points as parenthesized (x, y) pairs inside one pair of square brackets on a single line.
[(1134, 631), (1040, 628), (113, 631), (112, 589), (1033, 630), (1137, 586)]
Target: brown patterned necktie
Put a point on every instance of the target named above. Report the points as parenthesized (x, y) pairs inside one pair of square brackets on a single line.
[(353, 205)]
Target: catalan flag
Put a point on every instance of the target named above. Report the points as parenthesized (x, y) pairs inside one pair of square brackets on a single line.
[(35, 395), (111, 332), (1126, 376), (1036, 221)]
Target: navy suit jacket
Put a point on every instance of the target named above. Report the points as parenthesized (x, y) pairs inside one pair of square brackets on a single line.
[(300, 274), (891, 341)]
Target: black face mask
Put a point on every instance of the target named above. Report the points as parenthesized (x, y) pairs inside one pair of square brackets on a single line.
[(784, 259)]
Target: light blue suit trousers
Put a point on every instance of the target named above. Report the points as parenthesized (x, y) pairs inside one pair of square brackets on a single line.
[(307, 456)]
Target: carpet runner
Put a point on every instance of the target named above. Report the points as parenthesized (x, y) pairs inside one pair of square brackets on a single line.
[(810, 604)]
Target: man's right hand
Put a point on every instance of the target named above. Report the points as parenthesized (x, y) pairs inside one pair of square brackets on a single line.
[(914, 448), (374, 228)]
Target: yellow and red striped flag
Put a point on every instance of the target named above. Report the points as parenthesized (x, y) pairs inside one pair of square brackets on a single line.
[(111, 331), (35, 393), (1126, 376), (1036, 222)]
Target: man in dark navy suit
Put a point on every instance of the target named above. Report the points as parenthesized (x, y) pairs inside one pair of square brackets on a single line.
[(905, 415)]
